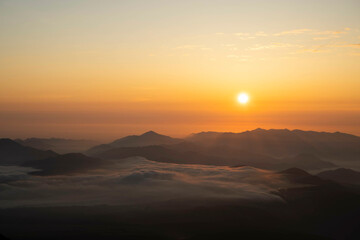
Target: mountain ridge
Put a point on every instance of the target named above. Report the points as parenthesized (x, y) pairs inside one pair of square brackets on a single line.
[(13, 153), (341, 175), (285, 143), (59, 145), (146, 139)]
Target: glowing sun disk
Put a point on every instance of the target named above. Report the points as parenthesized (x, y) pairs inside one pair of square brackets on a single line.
[(243, 98)]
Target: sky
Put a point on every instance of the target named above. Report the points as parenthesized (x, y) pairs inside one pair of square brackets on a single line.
[(105, 69)]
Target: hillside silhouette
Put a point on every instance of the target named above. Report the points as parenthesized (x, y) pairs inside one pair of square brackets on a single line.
[(260, 184)]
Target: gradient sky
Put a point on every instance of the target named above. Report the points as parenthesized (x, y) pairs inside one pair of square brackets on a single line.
[(104, 69)]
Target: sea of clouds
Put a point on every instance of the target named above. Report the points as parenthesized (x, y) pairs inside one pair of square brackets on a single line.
[(137, 181)]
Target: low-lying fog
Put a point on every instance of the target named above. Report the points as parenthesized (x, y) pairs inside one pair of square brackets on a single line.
[(137, 181)]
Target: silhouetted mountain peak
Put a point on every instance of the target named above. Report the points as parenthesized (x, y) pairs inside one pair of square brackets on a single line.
[(13, 153), (297, 175), (59, 145), (342, 170), (8, 141), (147, 136), (151, 133), (146, 139), (341, 175), (295, 171), (282, 143), (8, 144)]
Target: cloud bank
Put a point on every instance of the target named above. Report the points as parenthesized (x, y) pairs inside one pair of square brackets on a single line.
[(137, 181)]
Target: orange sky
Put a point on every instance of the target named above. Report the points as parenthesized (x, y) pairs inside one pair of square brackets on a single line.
[(85, 69)]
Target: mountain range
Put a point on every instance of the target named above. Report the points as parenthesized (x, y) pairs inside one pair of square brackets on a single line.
[(261, 184), (58, 145), (284, 143), (46, 161), (146, 139), (269, 149), (341, 175), (13, 153)]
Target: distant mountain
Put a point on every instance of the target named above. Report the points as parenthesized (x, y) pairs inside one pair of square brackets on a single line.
[(13, 153), (305, 161), (273, 149), (58, 145), (341, 175), (283, 143), (212, 152), (65, 164), (297, 175), (49, 162), (146, 139)]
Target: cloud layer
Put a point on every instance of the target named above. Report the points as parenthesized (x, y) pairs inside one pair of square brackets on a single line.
[(137, 181)]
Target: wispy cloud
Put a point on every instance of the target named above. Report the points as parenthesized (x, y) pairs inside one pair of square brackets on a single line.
[(258, 47), (329, 32), (357, 45), (261, 34), (312, 50), (325, 38), (328, 48), (312, 32), (242, 34), (293, 32), (189, 46), (293, 41)]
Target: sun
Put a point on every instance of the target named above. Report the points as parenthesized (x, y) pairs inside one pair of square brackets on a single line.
[(243, 98)]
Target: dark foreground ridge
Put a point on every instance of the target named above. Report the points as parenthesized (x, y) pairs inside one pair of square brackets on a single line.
[(319, 209)]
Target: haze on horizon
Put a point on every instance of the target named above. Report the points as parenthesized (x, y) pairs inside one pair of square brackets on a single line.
[(104, 69)]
